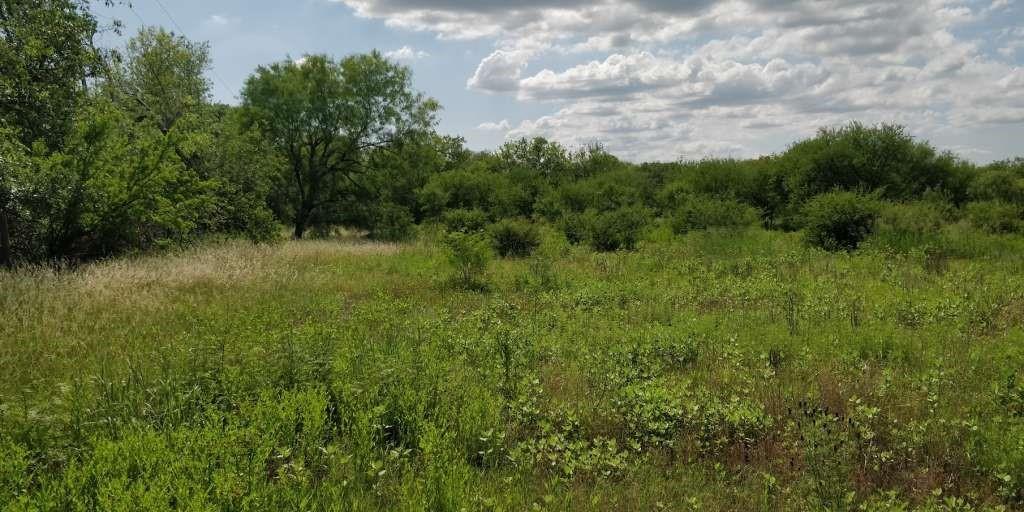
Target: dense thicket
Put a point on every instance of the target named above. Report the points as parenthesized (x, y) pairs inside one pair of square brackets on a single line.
[(104, 152)]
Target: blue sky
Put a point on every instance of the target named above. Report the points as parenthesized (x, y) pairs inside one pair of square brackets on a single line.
[(654, 79)]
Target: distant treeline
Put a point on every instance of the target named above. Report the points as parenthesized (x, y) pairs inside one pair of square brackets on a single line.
[(110, 151)]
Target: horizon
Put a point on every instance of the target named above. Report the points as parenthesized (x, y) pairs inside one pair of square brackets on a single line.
[(651, 81)]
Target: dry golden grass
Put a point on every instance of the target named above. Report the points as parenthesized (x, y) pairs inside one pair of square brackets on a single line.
[(54, 319), (143, 279)]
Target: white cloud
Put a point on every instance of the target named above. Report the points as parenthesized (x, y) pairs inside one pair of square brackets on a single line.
[(678, 76), (406, 53), (502, 126), (618, 74), (499, 71)]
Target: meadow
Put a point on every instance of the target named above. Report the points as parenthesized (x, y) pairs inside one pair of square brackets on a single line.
[(735, 369)]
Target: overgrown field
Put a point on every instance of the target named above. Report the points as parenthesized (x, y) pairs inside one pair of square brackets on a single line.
[(712, 371)]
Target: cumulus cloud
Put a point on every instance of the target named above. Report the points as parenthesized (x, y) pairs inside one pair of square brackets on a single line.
[(406, 53), (616, 75), (676, 77), (502, 126), (499, 71)]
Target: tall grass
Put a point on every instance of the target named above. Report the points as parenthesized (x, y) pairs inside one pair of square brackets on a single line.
[(732, 370)]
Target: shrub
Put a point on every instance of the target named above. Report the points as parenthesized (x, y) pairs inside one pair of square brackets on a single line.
[(995, 216), (903, 226), (616, 229), (516, 238), (883, 158), (392, 223), (701, 212), (1000, 184), (470, 254), (574, 225), (839, 221), (651, 412), (465, 221)]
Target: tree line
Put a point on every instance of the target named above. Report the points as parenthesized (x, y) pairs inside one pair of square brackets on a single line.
[(106, 151)]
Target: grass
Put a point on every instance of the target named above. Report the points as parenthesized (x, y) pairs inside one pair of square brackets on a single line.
[(723, 370)]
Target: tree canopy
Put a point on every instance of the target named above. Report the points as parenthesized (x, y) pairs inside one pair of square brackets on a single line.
[(324, 115)]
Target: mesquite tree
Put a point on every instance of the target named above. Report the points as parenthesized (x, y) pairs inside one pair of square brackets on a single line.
[(324, 116)]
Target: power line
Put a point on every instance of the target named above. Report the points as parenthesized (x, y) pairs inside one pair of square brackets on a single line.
[(213, 71), (137, 15)]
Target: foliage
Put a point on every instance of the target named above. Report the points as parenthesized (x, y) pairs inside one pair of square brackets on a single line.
[(839, 221), (322, 115), (672, 367), (652, 414), (46, 52), (160, 78), (14, 161), (114, 187), (995, 216), (1001, 181), (392, 223), (855, 157), (615, 230), (474, 187), (469, 255), (699, 213), (465, 221), (905, 226), (515, 238)]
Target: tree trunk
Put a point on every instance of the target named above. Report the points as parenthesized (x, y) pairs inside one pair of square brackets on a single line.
[(301, 222), (6, 259), (303, 214)]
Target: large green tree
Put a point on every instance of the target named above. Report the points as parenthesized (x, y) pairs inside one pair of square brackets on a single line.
[(160, 81), (325, 116), (46, 55), (115, 186), (160, 78)]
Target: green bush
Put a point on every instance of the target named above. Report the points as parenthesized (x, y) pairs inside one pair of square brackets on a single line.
[(465, 221), (904, 226), (651, 412), (615, 230), (574, 225), (1003, 183), (469, 254), (839, 221), (515, 238), (702, 212), (392, 223), (995, 216)]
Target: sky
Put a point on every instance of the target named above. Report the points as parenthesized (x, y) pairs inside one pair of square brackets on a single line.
[(652, 80)]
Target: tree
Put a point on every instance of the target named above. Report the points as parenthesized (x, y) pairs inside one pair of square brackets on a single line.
[(115, 186), (241, 170), (13, 162), (884, 158), (160, 78), (46, 54), (324, 116), (537, 154)]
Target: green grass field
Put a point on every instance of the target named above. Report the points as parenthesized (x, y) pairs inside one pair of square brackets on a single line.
[(715, 371)]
